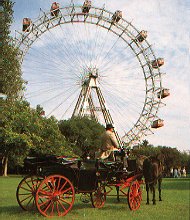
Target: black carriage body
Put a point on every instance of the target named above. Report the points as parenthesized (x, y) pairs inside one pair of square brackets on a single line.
[(82, 174)]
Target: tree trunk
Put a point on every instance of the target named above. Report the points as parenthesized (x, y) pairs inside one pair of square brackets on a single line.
[(4, 166)]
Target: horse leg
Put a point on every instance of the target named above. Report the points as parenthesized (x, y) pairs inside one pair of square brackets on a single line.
[(159, 189), (147, 194), (117, 189), (153, 192)]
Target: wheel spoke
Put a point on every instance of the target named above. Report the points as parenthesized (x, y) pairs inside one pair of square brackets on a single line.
[(66, 190), (45, 194), (30, 201), (57, 208), (52, 209), (29, 190), (30, 196), (62, 206), (43, 203), (65, 201), (24, 194), (48, 206)]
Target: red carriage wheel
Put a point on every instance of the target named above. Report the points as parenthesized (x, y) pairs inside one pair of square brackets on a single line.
[(134, 195), (98, 197), (55, 196), (26, 192)]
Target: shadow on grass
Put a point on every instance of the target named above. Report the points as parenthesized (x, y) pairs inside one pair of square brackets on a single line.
[(78, 209), (110, 203), (11, 209)]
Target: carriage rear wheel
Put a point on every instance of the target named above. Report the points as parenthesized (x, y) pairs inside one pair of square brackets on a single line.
[(134, 195), (55, 196), (26, 192), (98, 197)]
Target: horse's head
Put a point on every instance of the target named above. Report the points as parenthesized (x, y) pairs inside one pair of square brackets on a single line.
[(161, 158), (140, 161)]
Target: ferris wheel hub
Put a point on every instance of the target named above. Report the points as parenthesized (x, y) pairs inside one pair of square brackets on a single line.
[(91, 72), (90, 76)]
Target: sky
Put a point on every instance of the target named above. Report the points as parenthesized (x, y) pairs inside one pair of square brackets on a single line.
[(167, 23)]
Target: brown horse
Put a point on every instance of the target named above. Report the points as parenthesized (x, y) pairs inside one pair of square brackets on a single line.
[(152, 171)]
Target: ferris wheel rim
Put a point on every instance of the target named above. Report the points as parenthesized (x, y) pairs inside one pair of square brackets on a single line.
[(151, 101)]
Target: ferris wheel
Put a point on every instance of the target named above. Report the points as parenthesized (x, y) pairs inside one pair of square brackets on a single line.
[(82, 60)]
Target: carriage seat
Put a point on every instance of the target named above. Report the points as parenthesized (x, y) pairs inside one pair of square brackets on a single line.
[(111, 165), (87, 165), (47, 160)]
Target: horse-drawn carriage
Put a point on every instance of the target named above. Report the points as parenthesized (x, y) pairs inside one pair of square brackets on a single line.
[(54, 181)]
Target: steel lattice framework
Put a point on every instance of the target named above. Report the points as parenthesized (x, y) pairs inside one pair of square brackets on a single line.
[(125, 31)]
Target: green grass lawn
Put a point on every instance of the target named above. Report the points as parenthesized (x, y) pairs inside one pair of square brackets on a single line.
[(175, 204)]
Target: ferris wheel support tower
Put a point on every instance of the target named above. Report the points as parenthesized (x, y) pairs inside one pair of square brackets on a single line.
[(85, 104)]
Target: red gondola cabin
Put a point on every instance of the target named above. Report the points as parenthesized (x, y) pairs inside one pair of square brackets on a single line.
[(54, 9), (117, 16), (157, 63), (86, 6), (26, 23), (157, 123), (141, 36), (164, 93)]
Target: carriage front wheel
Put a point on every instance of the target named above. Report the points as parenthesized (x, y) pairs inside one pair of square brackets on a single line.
[(26, 192), (98, 197), (134, 195), (55, 196)]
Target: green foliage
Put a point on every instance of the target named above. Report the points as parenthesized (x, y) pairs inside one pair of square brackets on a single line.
[(146, 149), (24, 132), (11, 82), (82, 133), (185, 159), (172, 156)]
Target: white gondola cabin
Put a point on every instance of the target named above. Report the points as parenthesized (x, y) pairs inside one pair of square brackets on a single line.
[(163, 93), (25, 24), (141, 36), (117, 16), (157, 123), (86, 6), (54, 9), (157, 63)]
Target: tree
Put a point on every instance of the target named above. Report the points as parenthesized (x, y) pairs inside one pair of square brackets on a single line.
[(24, 131), (172, 156), (185, 160), (146, 150), (144, 143), (11, 82), (82, 133)]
